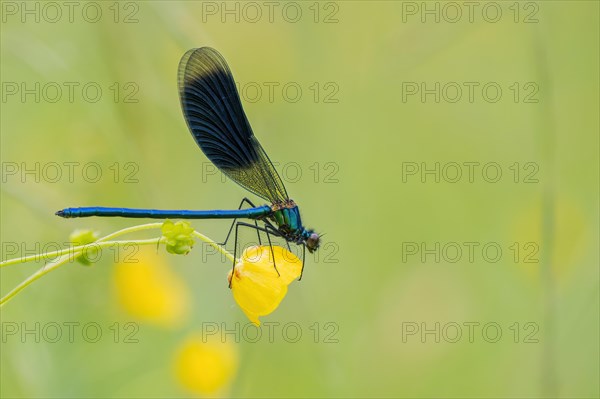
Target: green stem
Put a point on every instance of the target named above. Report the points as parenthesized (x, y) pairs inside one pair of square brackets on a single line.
[(99, 244), (213, 244), (46, 269), (69, 257), (69, 254), (65, 251), (132, 229)]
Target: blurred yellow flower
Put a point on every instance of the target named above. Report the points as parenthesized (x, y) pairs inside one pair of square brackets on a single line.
[(148, 289), (256, 286), (206, 368)]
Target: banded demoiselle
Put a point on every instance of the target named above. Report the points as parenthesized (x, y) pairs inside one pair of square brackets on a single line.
[(213, 111)]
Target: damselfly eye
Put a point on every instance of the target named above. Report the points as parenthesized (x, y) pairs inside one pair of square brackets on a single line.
[(312, 242)]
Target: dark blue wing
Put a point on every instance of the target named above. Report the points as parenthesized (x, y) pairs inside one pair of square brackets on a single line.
[(214, 114)]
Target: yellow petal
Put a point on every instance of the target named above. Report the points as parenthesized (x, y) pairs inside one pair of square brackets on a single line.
[(149, 290), (257, 287), (206, 368)]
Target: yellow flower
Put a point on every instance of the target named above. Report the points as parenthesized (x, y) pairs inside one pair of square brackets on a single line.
[(256, 286), (148, 290), (206, 368)]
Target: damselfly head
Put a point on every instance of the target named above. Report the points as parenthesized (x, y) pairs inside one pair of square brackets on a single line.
[(312, 241)]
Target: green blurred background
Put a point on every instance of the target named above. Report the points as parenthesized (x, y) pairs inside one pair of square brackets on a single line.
[(353, 136)]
